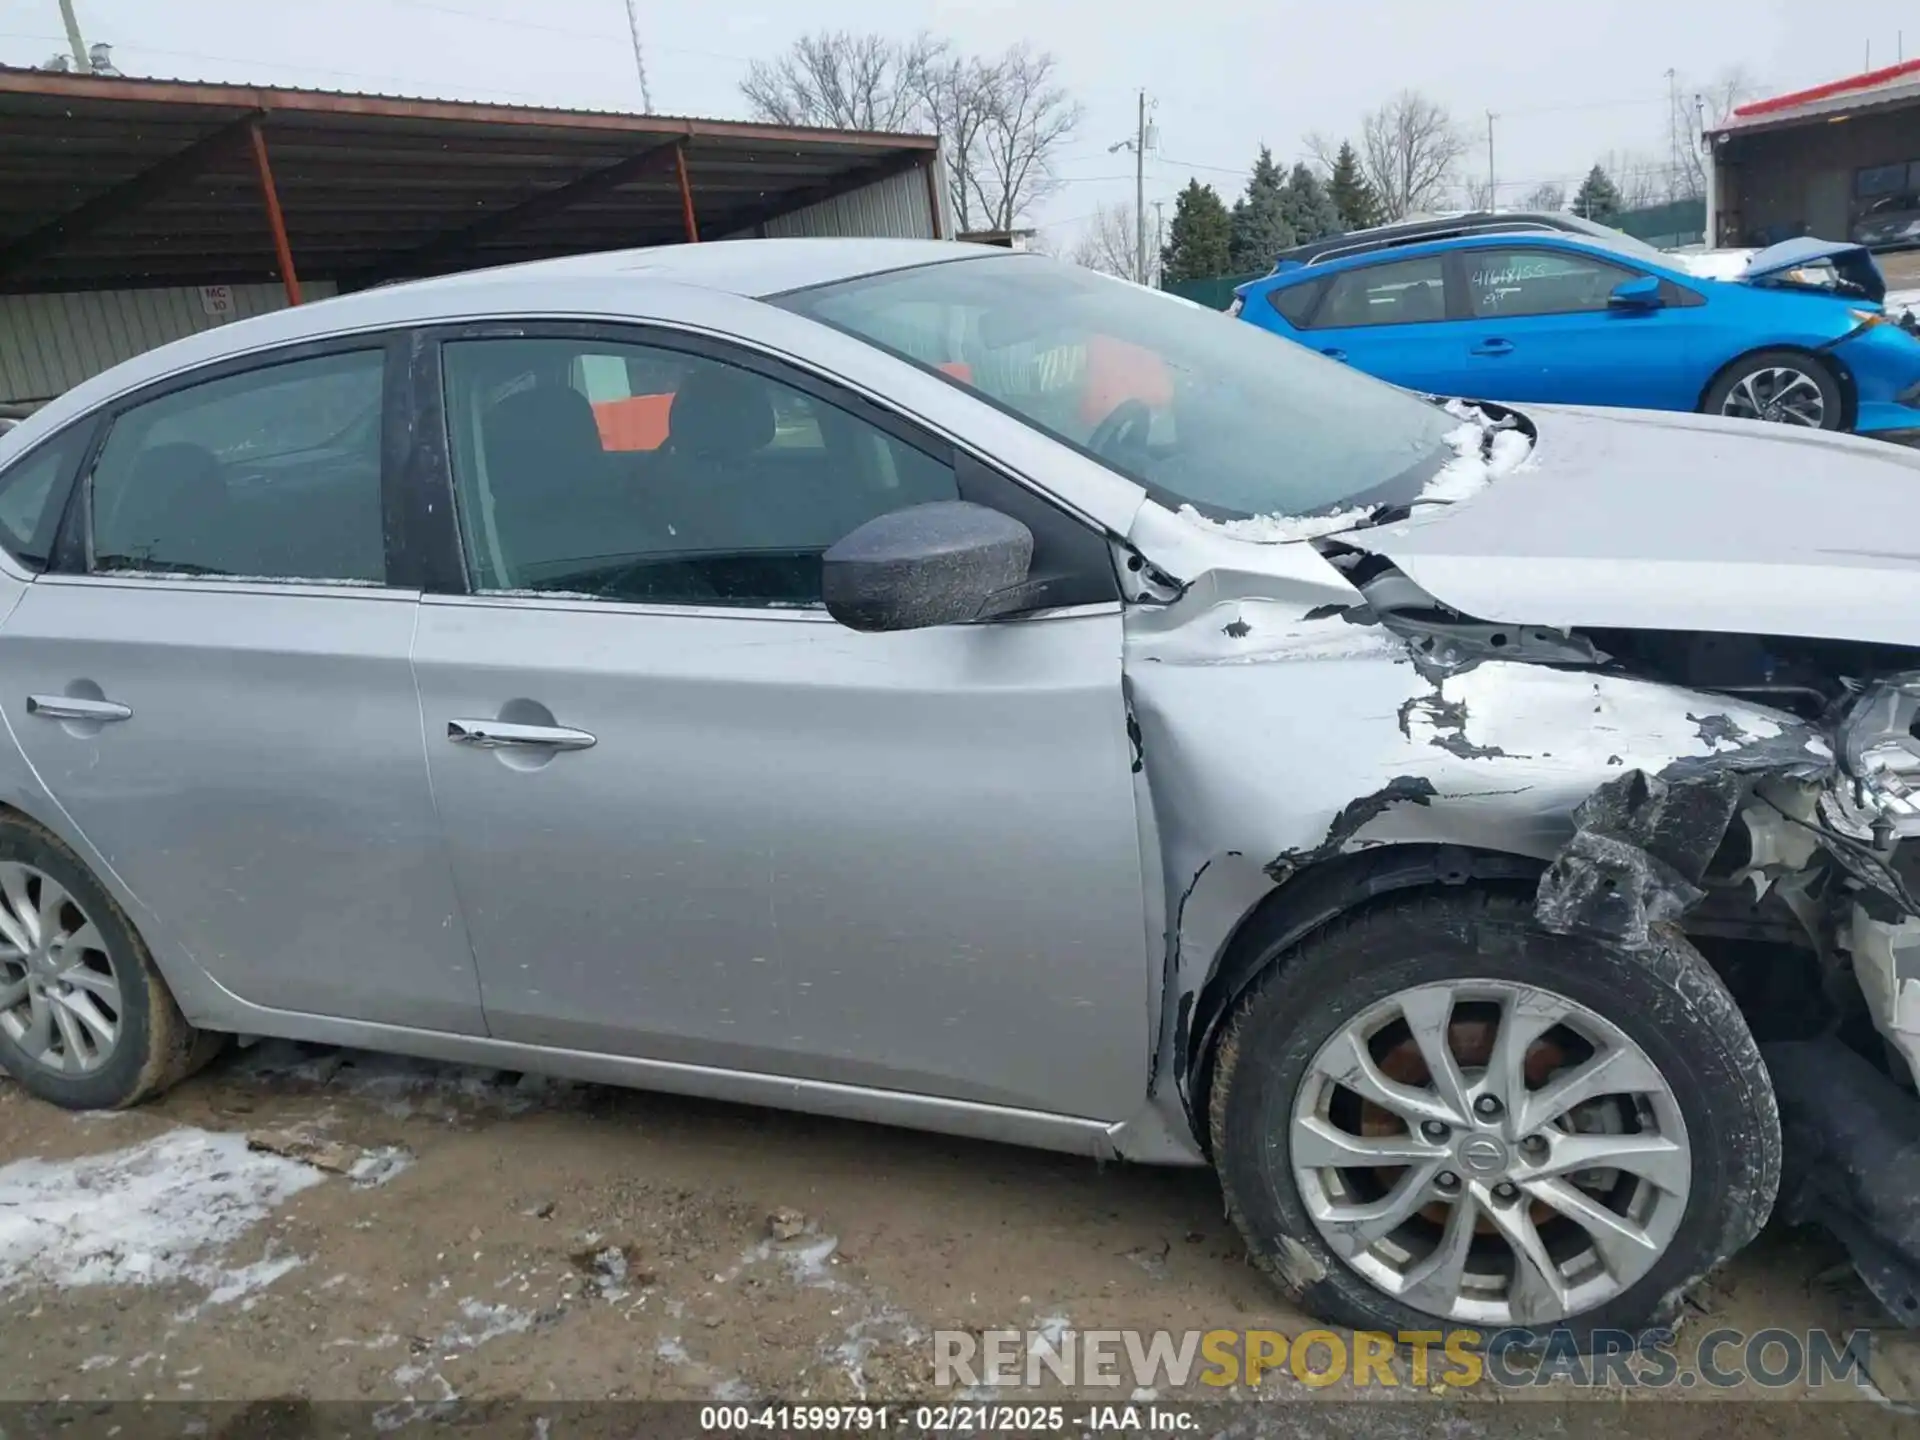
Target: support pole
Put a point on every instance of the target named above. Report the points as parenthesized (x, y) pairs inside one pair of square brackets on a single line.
[(275, 221), (686, 193)]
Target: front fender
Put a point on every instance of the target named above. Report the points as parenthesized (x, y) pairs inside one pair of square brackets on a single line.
[(1273, 741)]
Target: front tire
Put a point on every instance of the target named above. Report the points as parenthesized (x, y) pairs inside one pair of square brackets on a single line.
[(85, 1019), (1432, 1113), (1786, 387)]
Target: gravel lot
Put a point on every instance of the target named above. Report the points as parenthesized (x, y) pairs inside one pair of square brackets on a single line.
[(445, 1233)]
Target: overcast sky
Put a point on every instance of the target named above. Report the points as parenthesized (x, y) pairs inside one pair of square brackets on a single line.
[(1570, 82)]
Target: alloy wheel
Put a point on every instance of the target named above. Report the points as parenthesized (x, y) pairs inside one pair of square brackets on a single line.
[(60, 999), (1780, 394), (1490, 1153)]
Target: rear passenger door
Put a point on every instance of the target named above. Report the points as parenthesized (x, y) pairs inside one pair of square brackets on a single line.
[(1389, 318), (213, 679)]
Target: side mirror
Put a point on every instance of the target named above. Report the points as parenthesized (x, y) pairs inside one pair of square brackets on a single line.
[(1640, 293), (943, 563)]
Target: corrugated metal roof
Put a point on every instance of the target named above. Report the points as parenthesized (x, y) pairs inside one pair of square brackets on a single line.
[(111, 182), (1893, 85)]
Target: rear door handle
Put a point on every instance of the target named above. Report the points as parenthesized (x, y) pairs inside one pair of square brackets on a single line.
[(499, 734), (1493, 347), (1340, 355), (73, 707)]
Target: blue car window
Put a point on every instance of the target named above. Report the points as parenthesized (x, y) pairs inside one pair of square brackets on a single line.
[(1538, 282), (1295, 303), (1400, 292)]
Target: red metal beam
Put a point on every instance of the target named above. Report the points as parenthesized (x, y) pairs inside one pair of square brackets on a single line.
[(686, 194), (275, 221)]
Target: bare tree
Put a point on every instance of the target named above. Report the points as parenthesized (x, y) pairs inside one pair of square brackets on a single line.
[(1106, 244), (1409, 149), (1025, 116), (1478, 194), (1640, 178), (845, 81), (960, 96), (1549, 195)]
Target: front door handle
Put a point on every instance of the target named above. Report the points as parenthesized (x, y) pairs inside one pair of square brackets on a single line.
[(1493, 347), (499, 734), (1335, 354), (74, 707)]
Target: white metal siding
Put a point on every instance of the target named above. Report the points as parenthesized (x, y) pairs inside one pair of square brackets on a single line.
[(896, 208), (50, 343)]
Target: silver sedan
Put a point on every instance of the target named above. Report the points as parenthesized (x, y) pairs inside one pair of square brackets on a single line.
[(948, 688)]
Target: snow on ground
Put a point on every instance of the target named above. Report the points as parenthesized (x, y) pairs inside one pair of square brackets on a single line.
[(151, 1214), (396, 1082), (1899, 300)]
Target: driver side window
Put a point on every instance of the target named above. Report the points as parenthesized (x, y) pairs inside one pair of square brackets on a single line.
[(640, 473)]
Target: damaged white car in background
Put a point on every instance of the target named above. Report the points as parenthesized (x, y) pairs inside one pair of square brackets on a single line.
[(1010, 704)]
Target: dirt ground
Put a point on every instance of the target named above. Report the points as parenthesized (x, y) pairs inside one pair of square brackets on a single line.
[(466, 1234)]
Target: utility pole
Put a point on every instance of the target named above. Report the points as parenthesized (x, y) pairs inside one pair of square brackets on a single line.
[(1142, 137), (1493, 185), (78, 45), (639, 57), (1140, 195)]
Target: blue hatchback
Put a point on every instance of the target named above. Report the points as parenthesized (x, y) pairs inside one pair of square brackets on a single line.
[(1801, 337)]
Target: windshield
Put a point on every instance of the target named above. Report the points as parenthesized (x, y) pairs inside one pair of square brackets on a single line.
[(1199, 408)]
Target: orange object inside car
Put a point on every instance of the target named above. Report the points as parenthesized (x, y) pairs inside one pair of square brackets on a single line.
[(636, 423), (1118, 371)]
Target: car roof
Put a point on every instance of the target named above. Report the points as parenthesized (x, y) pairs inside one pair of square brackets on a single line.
[(1428, 245), (630, 284), (1448, 227)]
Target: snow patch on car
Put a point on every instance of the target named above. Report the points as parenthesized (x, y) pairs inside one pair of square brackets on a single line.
[(152, 1214), (1483, 450)]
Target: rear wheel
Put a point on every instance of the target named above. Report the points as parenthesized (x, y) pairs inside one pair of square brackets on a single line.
[(1434, 1112), (1785, 387), (85, 1019)]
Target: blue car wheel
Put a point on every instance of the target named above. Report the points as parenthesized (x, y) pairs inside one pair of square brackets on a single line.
[(1787, 387)]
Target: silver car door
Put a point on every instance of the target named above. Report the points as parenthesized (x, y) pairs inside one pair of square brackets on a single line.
[(214, 681), (695, 820)]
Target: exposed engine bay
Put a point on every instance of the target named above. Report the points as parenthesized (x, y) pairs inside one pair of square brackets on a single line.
[(1792, 862)]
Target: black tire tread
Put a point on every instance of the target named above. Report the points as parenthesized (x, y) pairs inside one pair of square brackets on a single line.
[(175, 1049), (1754, 1154)]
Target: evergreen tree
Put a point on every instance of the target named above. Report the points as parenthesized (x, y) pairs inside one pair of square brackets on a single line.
[(1200, 237), (1598, 197), (1353, 199), (1260, 228), (1308, 207)]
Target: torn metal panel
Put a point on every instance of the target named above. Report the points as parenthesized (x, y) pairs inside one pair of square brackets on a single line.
[(1275, 739)]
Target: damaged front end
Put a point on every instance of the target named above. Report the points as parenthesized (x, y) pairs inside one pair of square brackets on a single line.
[(1803, 832), (1759, 795)]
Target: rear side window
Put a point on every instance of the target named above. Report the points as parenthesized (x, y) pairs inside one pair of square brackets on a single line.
[(270, 474), (33, 492), (1399, 292), (1295, 302)]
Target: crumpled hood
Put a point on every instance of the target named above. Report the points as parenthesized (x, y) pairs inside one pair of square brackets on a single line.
[(1648, 520)]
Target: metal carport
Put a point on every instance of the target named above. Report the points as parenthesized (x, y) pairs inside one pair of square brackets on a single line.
[(133, 211)]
